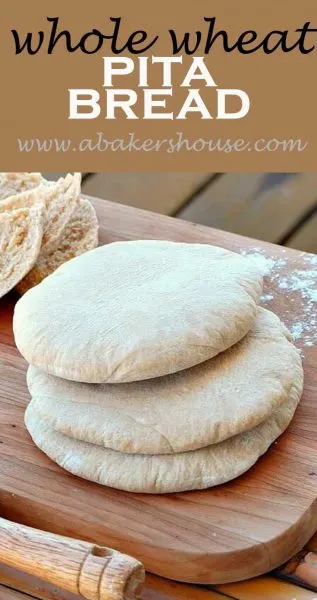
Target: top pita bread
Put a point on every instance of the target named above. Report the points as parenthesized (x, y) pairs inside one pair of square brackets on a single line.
[(129, 311), (231, 393)]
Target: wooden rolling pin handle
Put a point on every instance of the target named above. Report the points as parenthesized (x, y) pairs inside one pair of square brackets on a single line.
[(97, 573), (107, 574)]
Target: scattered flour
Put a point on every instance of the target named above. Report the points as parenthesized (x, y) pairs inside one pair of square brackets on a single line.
[(300, 286), (297, 330), (265, 265), (267, 298)]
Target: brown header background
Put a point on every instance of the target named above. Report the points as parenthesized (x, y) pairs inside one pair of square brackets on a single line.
[(281, 86)]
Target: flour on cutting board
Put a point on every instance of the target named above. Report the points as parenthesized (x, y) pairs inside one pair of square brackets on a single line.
[(298, 284)]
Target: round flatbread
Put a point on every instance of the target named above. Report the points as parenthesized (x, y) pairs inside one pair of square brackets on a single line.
[(21, 234), (204, 405), (158, 474), (130, 311), (80, 235)]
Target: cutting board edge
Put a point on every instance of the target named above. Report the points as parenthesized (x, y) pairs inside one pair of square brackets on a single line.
[(200, 563)]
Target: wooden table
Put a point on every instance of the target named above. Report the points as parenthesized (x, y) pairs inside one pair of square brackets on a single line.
[(295, 581), (17, 586), (276, 207)]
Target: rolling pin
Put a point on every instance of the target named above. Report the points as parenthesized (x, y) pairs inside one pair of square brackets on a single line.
[(94, 572)]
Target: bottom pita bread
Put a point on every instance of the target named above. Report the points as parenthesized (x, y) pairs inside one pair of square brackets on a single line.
[(163, 473)]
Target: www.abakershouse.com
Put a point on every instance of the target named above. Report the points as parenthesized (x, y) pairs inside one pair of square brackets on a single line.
[(179, 143)]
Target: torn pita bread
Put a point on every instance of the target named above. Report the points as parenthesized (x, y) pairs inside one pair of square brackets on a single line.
[(79, 235), (60, 205), (14, 183), (59, 198), (21, 234), (25, 199)]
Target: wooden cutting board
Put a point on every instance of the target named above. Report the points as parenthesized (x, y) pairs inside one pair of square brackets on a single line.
[(231, 532)]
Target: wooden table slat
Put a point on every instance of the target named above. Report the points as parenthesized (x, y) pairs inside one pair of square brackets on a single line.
[(155, 588), (163, 193), (302, 568), (260, 205), (9, 594), (266, 588), (306, 237)]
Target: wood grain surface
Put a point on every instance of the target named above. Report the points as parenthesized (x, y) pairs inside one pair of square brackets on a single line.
[(8, 594), (96, 572), (262, 205), (276, 207), (231, 532), (157, 588), (306, 236), (161, 192), (266, 588)]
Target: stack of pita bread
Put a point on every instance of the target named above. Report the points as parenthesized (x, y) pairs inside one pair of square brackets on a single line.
[(152, 367), (42, 224)]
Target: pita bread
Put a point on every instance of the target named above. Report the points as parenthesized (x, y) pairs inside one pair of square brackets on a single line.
[(204, 405), (20, 242), (79, 235), (158, 474), (25, 199), (13, 183), (59, 198), (130, 311), (60, 202)]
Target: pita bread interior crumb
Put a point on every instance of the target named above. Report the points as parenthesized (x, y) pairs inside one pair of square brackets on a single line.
[(25, 199), (60, 202), (21, 234), (79, 236), (14, 183), (59, 198)]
